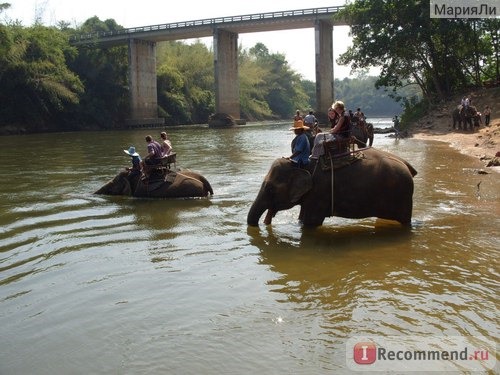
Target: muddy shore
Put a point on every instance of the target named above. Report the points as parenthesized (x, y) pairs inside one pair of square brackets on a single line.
[(482, 143)]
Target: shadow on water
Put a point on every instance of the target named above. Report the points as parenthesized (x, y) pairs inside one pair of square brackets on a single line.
[(317, 255), (156, 215)]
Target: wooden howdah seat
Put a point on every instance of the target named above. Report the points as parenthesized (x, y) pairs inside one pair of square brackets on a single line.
[(337, 146), (168, 160), (161, 168)]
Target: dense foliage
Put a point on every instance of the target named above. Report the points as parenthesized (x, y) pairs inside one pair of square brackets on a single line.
[(36, 85), (362, 93), (440, 56), (105, 102)]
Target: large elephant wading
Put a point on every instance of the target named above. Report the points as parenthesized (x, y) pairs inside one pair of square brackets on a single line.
[(180, 184), (378, 184)]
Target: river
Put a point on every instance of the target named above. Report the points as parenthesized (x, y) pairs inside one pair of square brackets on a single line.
[(97, 284)]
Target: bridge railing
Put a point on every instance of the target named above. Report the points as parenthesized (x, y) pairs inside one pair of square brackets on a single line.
[(207, 21)]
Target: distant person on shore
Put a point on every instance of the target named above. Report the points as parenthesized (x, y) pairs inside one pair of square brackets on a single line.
[(487, 114), (395, 120)]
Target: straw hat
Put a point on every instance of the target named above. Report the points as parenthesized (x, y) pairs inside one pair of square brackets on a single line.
[(299, 124)]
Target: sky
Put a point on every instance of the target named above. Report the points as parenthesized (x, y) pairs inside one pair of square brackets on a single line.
[(296, 45)]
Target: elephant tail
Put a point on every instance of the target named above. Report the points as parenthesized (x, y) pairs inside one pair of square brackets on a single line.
[(413, 171), (206, 185)]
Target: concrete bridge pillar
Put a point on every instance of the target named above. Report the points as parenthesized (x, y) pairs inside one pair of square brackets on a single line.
[(227, 95), (323, 35), (142, 83)]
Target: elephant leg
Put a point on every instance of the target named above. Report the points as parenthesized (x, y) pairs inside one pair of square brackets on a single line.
[(313, 211)]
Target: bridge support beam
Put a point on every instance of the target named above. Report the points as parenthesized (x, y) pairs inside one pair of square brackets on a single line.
[(142, 83), (227, 95), (323, 35)]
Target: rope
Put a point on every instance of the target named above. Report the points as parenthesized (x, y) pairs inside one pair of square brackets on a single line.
[(333, 180), (358, 140)]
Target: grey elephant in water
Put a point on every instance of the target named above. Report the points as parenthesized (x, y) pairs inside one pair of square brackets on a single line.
[(173, 184), (379, 184)]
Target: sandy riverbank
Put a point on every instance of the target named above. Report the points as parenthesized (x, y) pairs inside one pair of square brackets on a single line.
[(483, 143)]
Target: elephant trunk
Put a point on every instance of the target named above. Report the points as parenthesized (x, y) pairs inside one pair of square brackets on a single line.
[(256, 212)]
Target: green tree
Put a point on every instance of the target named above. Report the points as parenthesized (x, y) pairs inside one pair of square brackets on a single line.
[(284, 91), (490, 66), (185, 82), (253, 88), (105, 103), (36, 86), (171, 99), (439, 55), (361, 93)]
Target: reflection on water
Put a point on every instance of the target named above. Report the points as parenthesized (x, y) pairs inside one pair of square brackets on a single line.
[(93, 284)]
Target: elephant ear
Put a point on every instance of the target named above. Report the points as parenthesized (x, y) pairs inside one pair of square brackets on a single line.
[(300, 184), (127, 189), (121, 185)]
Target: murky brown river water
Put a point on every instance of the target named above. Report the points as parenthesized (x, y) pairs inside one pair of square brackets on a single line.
[(98, 285)]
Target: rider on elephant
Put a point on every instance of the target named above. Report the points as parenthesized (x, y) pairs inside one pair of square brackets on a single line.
[(301, 148), (154, 152), (338, 135), (136, 160), (339, 120)]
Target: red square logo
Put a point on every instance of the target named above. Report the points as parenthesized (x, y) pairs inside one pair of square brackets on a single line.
[(365, 353)]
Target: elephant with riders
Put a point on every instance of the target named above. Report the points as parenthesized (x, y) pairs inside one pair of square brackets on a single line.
[(160, 183), (338, 180), (367, 183)]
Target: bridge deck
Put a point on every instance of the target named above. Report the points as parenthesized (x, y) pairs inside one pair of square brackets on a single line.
[(259, 22)]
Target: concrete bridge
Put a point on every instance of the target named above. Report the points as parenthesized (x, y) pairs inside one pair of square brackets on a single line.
[(224, 30)]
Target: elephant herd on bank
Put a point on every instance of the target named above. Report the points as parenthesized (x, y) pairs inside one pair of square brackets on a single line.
[(373, 184)]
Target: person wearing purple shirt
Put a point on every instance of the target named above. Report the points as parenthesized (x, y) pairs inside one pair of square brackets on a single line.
[(154, 152)]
